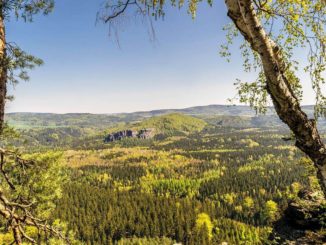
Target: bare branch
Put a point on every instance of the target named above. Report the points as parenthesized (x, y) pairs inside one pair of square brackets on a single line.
[(121, 11)]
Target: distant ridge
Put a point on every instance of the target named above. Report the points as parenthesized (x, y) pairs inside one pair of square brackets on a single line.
[(214, 114), (233, 110)]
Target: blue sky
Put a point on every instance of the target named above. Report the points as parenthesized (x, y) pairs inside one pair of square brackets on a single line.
[(86, 71)]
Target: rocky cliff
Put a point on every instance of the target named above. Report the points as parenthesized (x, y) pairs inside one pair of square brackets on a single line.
[(146, 133)]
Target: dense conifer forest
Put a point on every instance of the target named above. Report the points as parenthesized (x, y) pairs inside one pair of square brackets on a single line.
[(195, 182)]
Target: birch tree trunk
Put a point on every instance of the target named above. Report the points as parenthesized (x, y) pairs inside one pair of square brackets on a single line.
[(286, 104)]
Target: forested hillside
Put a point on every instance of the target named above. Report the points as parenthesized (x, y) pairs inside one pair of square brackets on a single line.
[(198, 181), (227, 115)]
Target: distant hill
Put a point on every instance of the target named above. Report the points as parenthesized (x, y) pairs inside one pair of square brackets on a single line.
[(28, 120), (224, 115), (173, 122), (226, 110), (160, 126), (48, 129), (169, 123)]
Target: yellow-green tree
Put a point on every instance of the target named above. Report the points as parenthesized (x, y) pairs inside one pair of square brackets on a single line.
[(270, 211), (204, 227), (248, 202)]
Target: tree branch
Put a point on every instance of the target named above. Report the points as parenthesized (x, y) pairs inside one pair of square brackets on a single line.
[(116, 14), (285, 102), (19, 213)]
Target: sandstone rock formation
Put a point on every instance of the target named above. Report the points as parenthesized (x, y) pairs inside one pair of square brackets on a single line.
[(146, 133), (303, 222)]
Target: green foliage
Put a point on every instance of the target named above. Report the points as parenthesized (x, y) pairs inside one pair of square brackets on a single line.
[(39, 184), (145, 241), (27, 9), (271, 211), (248, 202), (173, 122), (173, 187), (44, 182), (147, 216), (16, 61), (259, 165), (161, 190), (9, 133), (30, 185), (204, 223), (292, 25), (76, 120), (156, 190), (170, 124), (235, 232)]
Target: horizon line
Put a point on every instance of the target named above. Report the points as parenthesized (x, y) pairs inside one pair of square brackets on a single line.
[(139, 111)]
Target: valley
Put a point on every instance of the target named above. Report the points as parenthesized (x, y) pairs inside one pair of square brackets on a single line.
[(201, 179)]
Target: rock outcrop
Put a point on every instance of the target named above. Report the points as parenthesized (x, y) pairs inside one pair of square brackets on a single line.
[(146, 133), (303, 221)]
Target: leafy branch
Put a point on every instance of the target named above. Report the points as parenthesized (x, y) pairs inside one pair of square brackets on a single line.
[(18, 204)]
